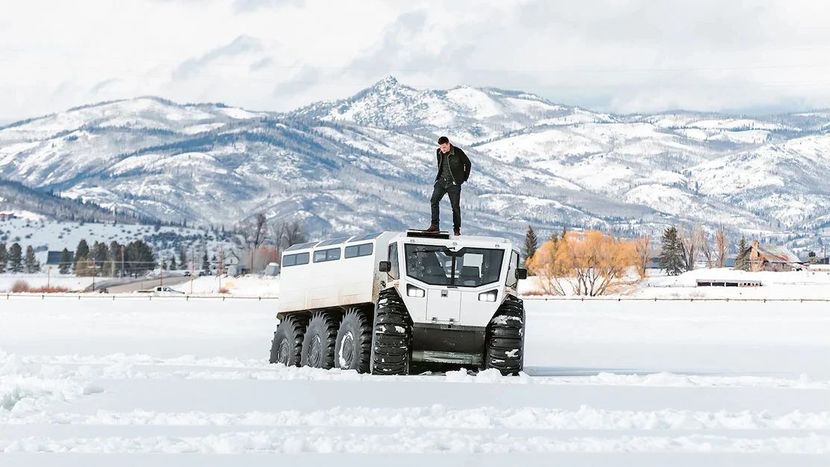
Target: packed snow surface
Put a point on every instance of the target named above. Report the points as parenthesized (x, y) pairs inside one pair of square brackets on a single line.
[(178, 381)]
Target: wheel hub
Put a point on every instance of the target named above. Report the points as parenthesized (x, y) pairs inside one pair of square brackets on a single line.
[(282, 353), (315, 353), (347, 351)]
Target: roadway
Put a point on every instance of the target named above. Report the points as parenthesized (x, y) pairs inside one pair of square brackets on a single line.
[(133, 284)]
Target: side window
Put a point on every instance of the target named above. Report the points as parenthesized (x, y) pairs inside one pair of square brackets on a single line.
[(327, 255), (395, 271), (353, 251), (295, 259), (511, 270)]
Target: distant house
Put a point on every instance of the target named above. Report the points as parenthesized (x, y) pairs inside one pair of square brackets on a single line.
[(234, 266), (766, 257), (53, 258)]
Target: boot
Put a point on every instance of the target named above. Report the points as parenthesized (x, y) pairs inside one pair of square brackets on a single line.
[(432, 228), (457, 232)]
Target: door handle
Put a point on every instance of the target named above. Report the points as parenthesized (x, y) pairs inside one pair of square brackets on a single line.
[(444, 293)]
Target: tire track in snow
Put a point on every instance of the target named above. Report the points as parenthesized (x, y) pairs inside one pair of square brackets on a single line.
[(122, 366), (441, 417), (320, 440)]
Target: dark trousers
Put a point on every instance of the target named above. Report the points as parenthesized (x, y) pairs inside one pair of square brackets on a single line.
[(455, 200)]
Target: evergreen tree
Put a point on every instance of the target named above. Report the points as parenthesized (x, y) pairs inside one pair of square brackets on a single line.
[(205, 263), (100, 253), (173, 266), (81, 254), (31, 263), (672, 254), (182, 258), (742, 260), (15, 258), (531, 243), (139, 257), (4, 257), (65, 264), (114, 256)]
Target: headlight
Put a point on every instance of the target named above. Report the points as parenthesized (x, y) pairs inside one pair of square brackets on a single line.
[(488, 296), (413, 291)]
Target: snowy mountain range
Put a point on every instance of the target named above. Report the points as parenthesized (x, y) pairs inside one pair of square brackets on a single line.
[(367, 163)]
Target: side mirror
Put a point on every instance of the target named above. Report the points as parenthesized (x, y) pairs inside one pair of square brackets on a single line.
[(385, 266), (521, 273)]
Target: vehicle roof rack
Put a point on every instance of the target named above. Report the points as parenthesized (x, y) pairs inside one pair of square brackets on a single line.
[(443, 234)]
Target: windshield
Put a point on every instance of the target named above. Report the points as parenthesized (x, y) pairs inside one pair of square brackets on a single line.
[(468, 267)]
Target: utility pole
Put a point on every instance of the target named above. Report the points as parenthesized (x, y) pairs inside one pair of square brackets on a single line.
[(220, 268), (192, 264)]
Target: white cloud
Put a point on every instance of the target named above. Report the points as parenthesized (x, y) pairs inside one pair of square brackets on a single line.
[(621, 56)]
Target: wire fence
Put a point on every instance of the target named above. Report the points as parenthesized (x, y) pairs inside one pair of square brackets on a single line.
[(186, 297), (671, 299), (132, 296)]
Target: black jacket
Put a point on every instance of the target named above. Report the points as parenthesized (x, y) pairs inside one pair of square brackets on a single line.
[(459, 164)]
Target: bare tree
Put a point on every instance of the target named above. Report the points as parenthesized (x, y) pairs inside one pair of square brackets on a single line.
[(284, 234), (720, 246), (690, 240), (294, 233), (278, 235), (252, 234), (642, 248), (706, 249)]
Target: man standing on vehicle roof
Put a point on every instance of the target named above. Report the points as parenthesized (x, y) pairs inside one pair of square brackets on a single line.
[(453, 170)]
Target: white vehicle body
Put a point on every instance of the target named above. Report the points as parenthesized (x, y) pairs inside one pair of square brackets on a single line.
[(306, 284), (452, 287), (328, 282)]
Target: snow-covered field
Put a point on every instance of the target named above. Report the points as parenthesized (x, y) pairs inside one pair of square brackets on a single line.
[(44, 279), (810, 284), (186, 382), (246, 286)]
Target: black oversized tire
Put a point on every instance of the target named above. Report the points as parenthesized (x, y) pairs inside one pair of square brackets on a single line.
[(504, 347), (288, 341), (318, 343), (353, 346), (392, 338)]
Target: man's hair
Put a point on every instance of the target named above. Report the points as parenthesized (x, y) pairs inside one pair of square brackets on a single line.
[(443, 140)]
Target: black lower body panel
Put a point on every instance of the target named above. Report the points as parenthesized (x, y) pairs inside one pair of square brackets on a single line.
[(441, 343)]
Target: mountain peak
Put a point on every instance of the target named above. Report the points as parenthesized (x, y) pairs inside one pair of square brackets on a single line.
[(388, 80), (388, 83)]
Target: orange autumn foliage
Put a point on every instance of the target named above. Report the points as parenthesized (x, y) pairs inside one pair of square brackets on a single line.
[(588, 263)]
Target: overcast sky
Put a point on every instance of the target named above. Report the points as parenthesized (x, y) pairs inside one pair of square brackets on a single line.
[(619, 56)]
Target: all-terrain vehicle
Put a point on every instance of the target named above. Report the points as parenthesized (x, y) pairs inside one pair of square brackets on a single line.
[(383, 303)]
